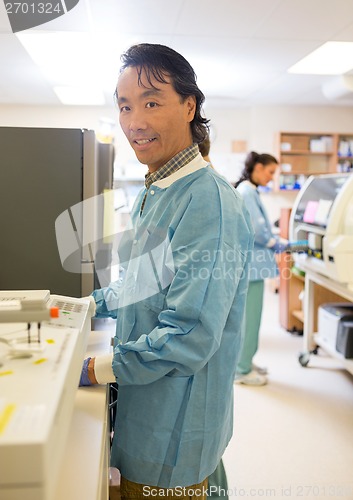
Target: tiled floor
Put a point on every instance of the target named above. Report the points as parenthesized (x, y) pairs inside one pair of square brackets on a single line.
[(294, 436)]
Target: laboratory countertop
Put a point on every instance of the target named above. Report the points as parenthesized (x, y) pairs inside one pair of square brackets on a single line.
[(84, 472)]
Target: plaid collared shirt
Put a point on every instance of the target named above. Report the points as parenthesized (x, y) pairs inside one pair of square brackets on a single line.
[(178, 161)]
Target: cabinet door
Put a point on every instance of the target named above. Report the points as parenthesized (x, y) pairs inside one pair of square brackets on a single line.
[(290, 285)]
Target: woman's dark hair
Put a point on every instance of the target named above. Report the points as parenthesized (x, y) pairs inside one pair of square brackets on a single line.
[(251, 160), (159, 62), (205, 146)]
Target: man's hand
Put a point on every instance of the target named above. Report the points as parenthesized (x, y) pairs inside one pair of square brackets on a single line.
[(279, 247), (87, 374)]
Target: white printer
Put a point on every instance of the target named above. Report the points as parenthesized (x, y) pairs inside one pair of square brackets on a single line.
[(335, 322), (323, 215)]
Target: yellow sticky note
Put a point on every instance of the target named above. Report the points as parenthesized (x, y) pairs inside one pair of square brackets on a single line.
[(5, 416), (39, 361)]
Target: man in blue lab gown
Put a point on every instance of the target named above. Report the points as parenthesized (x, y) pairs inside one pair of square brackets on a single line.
[(179, 306)]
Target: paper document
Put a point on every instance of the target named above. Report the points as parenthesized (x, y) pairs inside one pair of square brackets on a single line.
[(310, 212), (322, 212)]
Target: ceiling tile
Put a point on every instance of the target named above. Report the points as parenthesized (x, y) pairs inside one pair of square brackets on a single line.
[(240, 49), (306, 20)]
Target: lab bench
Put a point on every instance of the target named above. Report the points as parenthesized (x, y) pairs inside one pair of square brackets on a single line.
[(85, 469)]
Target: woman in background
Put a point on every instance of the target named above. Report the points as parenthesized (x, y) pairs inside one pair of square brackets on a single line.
[(204, 148), (258, 171)]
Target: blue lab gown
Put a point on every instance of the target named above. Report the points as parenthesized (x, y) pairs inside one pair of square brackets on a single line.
[(179, 310), (263, 259)]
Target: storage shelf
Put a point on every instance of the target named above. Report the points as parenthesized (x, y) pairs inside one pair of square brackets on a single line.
[(305, 152), (311, 227), (303, 172), (294, 149)]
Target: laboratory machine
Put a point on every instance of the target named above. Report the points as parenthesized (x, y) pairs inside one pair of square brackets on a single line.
[(323, 215), (43, 340)]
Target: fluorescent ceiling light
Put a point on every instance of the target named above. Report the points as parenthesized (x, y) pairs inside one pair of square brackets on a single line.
[(80, 96), (77, 59), (65, 50), (332, 58), (61, 47)]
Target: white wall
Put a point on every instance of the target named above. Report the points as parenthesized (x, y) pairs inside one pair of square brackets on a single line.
[(260, 125), (257, 125), (54, 116), (66, 117), (266, 121)]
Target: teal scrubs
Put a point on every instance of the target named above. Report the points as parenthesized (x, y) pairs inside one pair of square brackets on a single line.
[(262, 266), (253, 314), (218, 484)]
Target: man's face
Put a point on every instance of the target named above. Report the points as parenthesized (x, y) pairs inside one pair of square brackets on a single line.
[(154, 119)]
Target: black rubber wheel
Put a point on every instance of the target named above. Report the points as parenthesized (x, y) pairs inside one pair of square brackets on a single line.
[(304, 358)]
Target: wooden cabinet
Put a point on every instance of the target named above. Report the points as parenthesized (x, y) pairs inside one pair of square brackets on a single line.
[(291, 284)]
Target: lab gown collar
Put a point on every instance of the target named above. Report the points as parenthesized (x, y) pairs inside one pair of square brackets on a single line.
[(196, 164)]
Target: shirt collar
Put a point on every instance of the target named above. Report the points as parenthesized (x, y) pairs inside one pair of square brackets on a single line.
[(178, 161), (251, 184)]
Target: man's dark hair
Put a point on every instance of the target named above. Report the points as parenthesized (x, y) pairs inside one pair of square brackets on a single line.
[(159, 62)]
